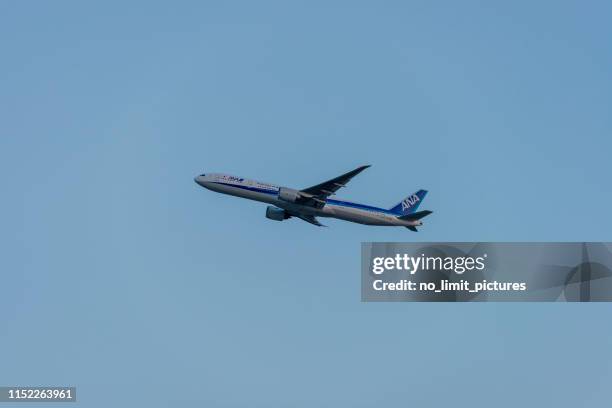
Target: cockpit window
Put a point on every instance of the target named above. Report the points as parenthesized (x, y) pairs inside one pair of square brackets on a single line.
[(202, 175)]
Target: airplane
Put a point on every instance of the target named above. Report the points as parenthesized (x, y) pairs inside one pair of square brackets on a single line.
[(313, 202)]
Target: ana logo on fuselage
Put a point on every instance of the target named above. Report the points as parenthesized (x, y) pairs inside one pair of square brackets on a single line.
[(233, 178), (409, 202)]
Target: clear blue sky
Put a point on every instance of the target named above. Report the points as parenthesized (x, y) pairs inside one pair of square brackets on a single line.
[(123, 277)]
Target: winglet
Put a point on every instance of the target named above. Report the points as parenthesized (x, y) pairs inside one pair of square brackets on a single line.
[(358, 170)]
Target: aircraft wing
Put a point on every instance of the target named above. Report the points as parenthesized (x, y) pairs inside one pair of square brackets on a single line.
[(317, 194), (310, 219)]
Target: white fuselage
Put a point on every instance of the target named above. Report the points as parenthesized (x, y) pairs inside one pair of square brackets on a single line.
[(268, 193)]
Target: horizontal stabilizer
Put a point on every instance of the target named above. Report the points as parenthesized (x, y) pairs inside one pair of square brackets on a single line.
[(411, 228), (415, 216)]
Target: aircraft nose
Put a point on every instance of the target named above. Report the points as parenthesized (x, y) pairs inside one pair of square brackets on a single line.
[(199, 180)]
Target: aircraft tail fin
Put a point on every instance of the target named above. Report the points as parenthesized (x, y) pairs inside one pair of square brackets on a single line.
[(409, 204)]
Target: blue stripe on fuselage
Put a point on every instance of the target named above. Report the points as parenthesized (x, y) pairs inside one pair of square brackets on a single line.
[(328, 201)]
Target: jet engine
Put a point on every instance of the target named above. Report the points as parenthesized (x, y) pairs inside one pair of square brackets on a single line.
[(288, 194), (276, 214)]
